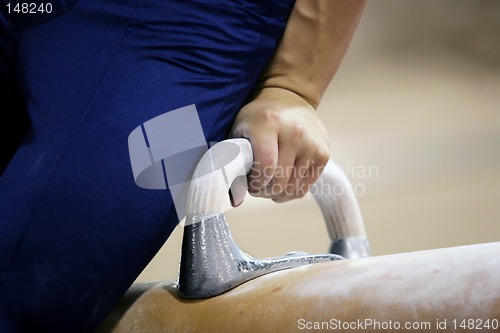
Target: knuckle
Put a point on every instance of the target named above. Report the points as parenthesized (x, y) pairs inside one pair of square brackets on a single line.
[(322, 155), (271, 116), (265, 158), (297, 132)]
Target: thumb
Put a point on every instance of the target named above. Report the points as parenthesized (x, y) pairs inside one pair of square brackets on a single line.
[(238, 191)]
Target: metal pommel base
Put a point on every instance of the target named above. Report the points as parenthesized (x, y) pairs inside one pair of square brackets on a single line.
[(351, 247), (212, 263)]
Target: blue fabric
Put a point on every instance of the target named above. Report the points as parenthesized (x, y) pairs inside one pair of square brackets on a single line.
[(75, 230)]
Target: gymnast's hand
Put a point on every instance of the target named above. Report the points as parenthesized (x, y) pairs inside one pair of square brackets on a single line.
[(290, 145), (289, 141)]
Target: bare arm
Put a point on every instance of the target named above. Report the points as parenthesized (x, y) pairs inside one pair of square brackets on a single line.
[(291, 145), (316, 39)]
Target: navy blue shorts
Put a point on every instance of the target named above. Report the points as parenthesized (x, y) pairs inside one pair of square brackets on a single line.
[(75, 229)]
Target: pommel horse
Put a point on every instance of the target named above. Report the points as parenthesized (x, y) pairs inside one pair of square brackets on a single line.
[(222, 289)]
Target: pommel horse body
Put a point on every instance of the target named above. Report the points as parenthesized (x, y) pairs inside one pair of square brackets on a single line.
[(222, 289)]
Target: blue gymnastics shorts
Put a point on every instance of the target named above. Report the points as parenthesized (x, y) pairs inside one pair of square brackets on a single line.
[(75, 229)]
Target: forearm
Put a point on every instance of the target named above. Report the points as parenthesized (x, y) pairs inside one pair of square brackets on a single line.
[(316, 38)]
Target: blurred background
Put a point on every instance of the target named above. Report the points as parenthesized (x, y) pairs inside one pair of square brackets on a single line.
[(414, 117)]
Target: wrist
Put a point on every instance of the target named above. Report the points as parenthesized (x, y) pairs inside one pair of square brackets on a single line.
[(283, 93)]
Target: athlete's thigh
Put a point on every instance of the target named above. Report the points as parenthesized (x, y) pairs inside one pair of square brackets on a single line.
[(77, 229)]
